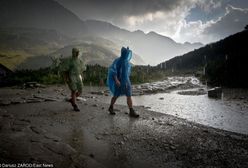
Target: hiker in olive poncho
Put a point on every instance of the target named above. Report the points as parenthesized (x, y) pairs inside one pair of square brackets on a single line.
[(72, 70)]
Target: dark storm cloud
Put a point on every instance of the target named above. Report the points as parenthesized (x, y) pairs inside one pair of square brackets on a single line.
[(115, 8), (234, 21), (183, 20)]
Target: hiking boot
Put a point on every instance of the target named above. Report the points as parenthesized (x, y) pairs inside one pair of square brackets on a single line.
[(132, 113), (75, 108), (111, 110)]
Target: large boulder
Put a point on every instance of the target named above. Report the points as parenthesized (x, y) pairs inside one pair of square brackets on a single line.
[(215, 92)]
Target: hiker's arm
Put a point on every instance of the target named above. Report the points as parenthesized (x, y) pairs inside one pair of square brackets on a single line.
[(117, 82), (66, 76)]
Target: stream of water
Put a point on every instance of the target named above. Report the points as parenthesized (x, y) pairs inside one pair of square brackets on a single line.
[(217, 113), (226, 114)]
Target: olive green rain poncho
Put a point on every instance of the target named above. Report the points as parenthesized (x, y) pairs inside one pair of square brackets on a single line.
[(73, 67)]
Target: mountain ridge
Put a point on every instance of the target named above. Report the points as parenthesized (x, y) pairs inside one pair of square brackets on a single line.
[(49, 14)]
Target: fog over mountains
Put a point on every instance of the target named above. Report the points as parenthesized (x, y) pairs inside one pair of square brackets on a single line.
[(150, 48)]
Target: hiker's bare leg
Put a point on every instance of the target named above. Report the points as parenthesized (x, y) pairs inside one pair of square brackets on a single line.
[(73, 97), (78, 94), (129, 102), (73, 101), (111, 107), (113, 100)]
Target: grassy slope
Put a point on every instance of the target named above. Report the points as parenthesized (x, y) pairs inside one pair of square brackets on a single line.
[(18, 44)]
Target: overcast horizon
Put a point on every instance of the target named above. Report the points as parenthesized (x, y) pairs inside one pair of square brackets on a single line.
[(202, 21)]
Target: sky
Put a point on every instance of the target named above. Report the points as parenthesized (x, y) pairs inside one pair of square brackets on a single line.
[(183, 20)]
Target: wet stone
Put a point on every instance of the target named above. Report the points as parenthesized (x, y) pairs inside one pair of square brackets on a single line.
[(34, 100), (52, 137), (5, 102), (85, 162), (91, 155), (8, 115), (60, 148), (37, 130), (25, 120), (3, 111), (215, 92), (98, 93), (35, 139), (18, 128)]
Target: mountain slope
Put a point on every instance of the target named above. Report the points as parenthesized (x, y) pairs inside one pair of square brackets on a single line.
[(152, 47), (94, 51), (43, 14), (225, 61), (17, 44)]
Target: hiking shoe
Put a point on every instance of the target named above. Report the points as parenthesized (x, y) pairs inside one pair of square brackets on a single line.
[(75, 108), (133, 113), (111, 111)]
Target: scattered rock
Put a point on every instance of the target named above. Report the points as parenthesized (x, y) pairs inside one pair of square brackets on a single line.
[(91, 155), (5, 102), (17, 101), (193, 92), (98, 93), (52, 137), (18, 128), (172, 147), (34, 100), (35, 139), (121, 143), (2, 111), (60, 148), (8, 115), (98, 138), (81, 99), (25, 120), (37, 130), (85, 162), (45, 98), (215, 92), (169, 124), (161, 98), (32, 85)]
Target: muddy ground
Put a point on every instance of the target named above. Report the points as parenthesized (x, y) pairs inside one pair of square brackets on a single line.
[(39, 127)]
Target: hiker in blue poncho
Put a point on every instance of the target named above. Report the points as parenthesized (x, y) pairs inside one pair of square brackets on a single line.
[(118, 80)]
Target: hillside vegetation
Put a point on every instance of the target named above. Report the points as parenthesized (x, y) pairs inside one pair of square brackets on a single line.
[(223, 63)]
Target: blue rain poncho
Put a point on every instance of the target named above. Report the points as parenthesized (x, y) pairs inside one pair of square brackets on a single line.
[(120, 68)]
